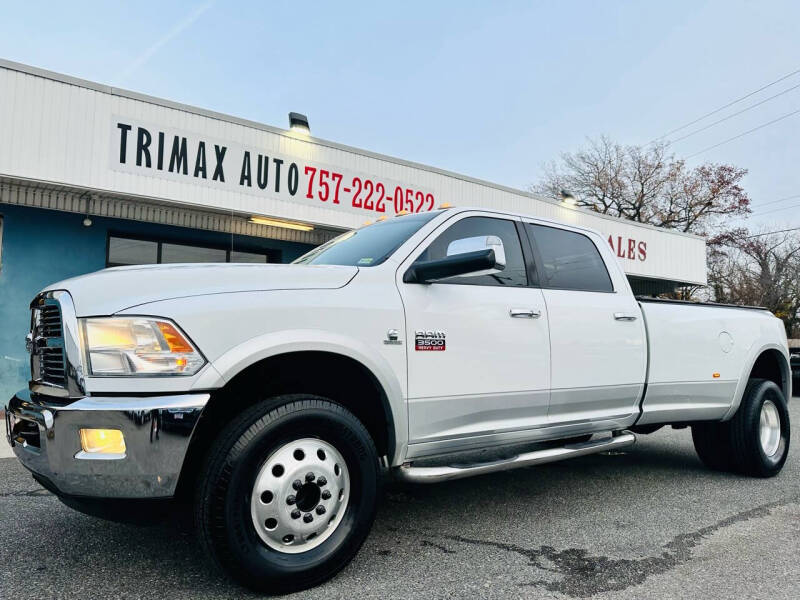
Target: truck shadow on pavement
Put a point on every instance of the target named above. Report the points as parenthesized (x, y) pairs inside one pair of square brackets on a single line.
[(553, 524)]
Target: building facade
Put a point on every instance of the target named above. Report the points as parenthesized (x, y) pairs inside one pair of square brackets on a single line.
[(92, 176)]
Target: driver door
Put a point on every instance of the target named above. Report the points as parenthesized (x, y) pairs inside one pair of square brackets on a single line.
[(477, 346)]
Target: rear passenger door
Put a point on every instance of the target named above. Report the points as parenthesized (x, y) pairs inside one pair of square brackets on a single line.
[(597, 337)]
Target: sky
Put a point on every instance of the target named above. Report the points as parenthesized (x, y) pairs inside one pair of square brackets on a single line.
[(492, 90)]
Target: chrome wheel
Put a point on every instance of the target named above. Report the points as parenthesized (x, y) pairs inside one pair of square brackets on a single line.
[(769, 428), (300, 495)]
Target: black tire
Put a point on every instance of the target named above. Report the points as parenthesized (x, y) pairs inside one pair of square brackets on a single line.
[(735, 445), (712, 444), (222, 500), (748, 455)]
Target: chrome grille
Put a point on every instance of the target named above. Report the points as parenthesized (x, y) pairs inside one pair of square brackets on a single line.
[(50, 321), (47, 343), (52, 366)]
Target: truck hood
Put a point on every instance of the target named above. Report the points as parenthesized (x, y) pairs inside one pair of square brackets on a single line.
[(111, 290)]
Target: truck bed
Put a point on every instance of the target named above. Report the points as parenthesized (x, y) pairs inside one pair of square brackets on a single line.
[(697, 354)]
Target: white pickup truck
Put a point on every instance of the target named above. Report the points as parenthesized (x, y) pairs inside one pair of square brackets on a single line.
[(273, 397)]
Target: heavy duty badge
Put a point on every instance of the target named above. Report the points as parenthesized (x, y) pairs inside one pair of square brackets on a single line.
[(429, 340)]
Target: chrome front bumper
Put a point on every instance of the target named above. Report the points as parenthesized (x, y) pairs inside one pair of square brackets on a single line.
[(43, 432)]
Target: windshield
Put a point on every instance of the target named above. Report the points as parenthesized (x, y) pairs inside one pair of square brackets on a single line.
[(368, 246)]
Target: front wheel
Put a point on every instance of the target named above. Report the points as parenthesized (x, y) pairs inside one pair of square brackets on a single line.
[(755, 441), (288, 493)]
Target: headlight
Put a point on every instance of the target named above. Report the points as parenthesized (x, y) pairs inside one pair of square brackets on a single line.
[(138, 346)]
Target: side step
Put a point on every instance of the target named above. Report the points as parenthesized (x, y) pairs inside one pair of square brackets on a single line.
[(409, 473)]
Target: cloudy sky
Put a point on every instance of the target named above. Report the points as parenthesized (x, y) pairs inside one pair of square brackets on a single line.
[(492, 90)]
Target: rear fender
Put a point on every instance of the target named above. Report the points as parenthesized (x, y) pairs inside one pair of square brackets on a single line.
[(786, 375)]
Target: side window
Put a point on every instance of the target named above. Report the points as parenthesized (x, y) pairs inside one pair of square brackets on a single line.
[(460, 235), (570, 260)]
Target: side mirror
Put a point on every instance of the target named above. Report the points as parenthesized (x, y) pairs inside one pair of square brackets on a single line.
[(479, 262), (480, 242)]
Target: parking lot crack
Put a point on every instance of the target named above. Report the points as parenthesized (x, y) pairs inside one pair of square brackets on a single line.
[(584, 575), (440, 547), (20, 493)]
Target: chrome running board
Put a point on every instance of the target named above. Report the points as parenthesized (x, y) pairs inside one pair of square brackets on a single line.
[(409, 473)]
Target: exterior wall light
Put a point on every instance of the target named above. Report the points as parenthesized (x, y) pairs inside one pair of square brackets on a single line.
[(299, 122), (568, 199), (280, 223)]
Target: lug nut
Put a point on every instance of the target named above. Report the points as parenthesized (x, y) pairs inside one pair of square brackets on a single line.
[(308, 517), (320, 510), (310, 477), (322, 481), (297, 484), (290, 499), (295, 514), (326, 494)]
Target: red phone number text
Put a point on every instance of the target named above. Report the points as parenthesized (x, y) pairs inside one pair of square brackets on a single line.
[(363, 193)]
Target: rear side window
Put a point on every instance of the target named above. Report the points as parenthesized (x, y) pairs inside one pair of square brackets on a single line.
[(570, 260)]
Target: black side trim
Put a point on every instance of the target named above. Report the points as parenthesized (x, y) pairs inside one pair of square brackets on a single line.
[(527, 253)]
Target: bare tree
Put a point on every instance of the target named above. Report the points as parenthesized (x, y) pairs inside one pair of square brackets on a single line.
[(649, 185), (761, 270)]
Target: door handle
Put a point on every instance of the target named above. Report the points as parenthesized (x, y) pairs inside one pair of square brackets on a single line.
[(524, 313), (623, 317)]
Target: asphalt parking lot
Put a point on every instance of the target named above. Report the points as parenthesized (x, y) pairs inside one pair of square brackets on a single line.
[(648, 523)]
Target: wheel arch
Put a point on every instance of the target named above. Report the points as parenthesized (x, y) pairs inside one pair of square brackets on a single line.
[(769, 361), (309, 363)]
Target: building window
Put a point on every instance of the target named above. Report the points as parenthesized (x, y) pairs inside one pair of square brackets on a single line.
[(179, 253), (247, 257), (1, 242), (123, 250)]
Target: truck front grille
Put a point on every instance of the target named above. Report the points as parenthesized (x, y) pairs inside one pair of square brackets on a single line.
[(50, 321), (51, 362), (47, 344)]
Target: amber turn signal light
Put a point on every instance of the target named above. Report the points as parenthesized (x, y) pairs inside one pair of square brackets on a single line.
[(175, 341)]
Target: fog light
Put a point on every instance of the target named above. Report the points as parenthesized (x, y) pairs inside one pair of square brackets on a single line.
[(102, 441)]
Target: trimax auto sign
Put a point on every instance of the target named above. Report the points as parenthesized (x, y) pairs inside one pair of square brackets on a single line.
[(147, 149)]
